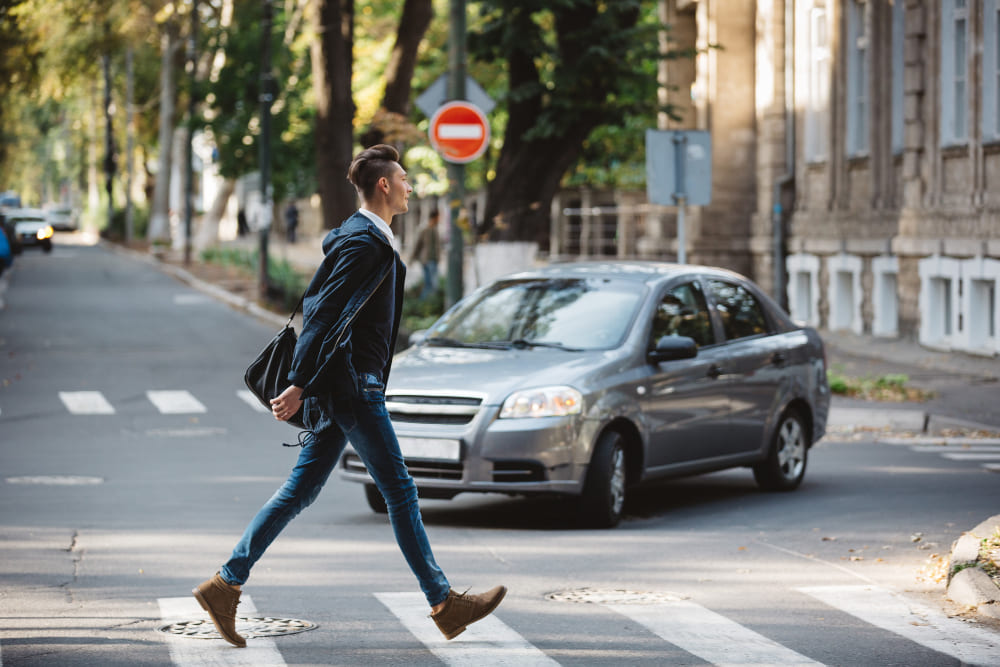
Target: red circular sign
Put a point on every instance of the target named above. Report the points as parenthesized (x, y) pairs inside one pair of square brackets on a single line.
[(460, 132)]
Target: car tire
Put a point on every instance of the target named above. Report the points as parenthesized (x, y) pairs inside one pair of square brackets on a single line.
[(47, 247), (375, 499), (785, 465), (605, 487)]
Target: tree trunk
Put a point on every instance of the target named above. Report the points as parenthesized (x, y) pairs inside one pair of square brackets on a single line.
[(159, 221), (332, 52), (208, 230), (413, 24)]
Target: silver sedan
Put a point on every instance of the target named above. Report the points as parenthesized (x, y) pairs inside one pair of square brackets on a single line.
[(590, 379)]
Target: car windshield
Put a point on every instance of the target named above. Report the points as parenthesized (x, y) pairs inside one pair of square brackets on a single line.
[(566, 313)]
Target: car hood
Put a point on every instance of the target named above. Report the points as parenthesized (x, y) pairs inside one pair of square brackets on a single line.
[(495, 373)]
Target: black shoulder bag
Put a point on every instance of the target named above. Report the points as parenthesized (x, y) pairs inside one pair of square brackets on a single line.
[(267, 375)]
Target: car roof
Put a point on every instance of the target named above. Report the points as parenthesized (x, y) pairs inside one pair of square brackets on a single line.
[(24, 214), (642, 271)]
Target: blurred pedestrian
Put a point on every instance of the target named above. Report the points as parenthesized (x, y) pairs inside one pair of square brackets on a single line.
[(291, 221), (242, 228), (356, 297), (427, 251)]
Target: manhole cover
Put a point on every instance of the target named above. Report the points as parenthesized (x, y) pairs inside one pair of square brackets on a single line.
[(613, 596), (249, 627)]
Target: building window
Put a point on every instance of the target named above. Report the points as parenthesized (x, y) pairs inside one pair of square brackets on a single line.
[(940, 278), (844, 293), (980, 277), (885, 296), (857, 78), (803, 288), (954, 71), (991, 70), (898, 66), (818, 106)]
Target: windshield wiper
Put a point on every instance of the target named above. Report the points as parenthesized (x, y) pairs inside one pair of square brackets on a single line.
[(451, 342), (522, 343)]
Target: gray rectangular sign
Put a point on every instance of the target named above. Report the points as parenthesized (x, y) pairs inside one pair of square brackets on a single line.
[(679, 164)]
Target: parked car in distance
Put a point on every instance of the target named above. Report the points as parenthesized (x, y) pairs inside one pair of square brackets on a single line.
[(591, 379), (31, 227), (63, 218)]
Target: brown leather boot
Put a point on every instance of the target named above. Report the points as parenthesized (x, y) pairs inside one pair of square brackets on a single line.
[(461, 610), (219, 599)]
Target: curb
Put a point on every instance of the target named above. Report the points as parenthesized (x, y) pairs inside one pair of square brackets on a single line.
[(971, 586)]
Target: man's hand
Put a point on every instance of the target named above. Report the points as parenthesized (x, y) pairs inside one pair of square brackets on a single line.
[(287, 404)]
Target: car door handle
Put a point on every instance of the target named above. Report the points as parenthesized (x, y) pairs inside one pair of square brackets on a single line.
[(778, 359), (714, 371)]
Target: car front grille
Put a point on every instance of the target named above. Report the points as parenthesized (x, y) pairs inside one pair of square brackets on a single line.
[(418, 469), (427, 408)]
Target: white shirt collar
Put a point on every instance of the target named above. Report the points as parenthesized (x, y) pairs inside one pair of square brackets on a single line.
[(382, 225)]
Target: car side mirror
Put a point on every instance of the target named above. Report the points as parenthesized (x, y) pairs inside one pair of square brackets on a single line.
[(670, 348)]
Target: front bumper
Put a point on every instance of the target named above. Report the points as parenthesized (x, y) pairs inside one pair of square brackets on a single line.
[(486, 454)]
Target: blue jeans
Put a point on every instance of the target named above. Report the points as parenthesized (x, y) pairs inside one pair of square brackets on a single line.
[(365, 421), (430, 278)]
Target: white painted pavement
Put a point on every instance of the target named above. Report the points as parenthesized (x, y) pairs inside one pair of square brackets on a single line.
[(188, 652), (247, 397), (176, 402), (487, 642), (708, 635), (912, 620), (86, 403)]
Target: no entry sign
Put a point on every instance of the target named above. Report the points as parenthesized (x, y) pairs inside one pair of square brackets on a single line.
[(459, 132)]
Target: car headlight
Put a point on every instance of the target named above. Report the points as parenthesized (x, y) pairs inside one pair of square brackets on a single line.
[(45, 232), (542, 402)]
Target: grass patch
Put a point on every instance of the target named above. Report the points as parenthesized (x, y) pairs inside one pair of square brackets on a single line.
[(891, 387), (286, 283)]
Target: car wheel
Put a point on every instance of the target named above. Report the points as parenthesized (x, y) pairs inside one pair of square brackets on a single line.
[(375, 499), (785, 465), (605, 486), (47, 247)]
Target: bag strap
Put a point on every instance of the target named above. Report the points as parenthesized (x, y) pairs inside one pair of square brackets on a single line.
[(297, 306)]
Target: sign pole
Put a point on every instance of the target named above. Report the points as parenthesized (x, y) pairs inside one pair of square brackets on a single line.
[(456, 171), (680, 141)]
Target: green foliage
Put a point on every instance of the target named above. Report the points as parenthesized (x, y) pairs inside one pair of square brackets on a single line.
[(888, 387), (419, 314), (286, 282)]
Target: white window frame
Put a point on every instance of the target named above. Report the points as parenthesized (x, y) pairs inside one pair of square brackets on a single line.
[(885, 296), (803, 288), (939, 308), (843, 293), (981, 327), (858, 77), (991, 70), (956, 37), (817, 115), (898, 68)]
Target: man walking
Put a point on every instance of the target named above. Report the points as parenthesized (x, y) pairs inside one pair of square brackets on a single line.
[(351, 314), (427, 251)]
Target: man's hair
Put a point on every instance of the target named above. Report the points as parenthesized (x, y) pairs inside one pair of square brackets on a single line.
[(370, 165)]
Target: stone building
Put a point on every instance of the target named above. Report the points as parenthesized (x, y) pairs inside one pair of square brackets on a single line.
[(862, 137)]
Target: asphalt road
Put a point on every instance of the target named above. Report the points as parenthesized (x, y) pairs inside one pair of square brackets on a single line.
[(129, 465)]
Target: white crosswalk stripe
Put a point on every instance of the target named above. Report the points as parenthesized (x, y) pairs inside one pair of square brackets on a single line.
[(953, 449), (251, 400), (488, 642), (698, 630), (86, 403), (175, 402), (187, 652), (912, 620)]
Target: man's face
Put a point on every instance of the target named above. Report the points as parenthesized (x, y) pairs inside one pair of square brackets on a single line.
[(399, 191)]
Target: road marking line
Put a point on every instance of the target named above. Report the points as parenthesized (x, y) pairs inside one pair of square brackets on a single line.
[(912, 620), (175, 402), (972, 457), (188, 652), (86, 403), (697, 630), (251, 400), (488, 642), (992, 467), (939, 441), (191, 299), (963, 449)]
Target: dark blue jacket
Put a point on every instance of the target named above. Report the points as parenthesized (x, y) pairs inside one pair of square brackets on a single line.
[(357, 258)]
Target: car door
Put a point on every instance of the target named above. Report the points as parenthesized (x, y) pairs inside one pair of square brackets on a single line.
[(685, 404), (754, 362)]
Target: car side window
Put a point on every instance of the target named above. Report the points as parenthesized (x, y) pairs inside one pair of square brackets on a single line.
[(683, 311), (741, 313)]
